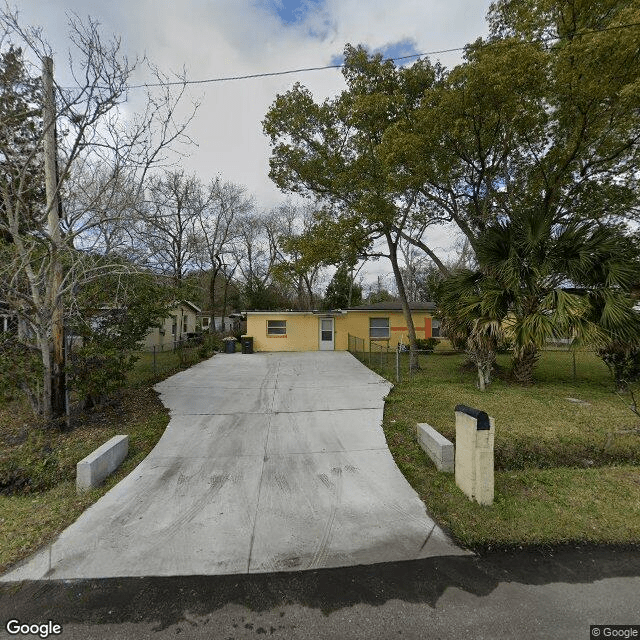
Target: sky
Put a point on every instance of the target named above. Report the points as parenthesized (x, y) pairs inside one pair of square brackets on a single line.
[(221, 38)]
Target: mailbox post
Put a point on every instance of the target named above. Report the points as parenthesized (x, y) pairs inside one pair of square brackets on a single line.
[(475, 432)]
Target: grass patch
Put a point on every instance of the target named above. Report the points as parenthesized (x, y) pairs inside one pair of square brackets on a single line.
[(48, 505), (537, 427), (559, 477)]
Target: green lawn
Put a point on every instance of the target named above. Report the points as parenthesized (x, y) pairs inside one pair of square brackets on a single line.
[(29, 520), (562, 473)]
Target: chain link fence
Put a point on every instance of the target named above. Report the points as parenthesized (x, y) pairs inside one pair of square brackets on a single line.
[(558, 362), (162, 360)]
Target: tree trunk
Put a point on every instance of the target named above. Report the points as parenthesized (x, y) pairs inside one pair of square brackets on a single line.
[(393, 257), (45, 351), (481, 378), (523, 363), (224, 304), (212, 299)]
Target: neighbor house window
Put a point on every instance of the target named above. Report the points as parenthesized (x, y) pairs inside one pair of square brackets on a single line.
[(276, 327), (174, 325), (205, 322), (435, 328), (379, 328), (185, 324)]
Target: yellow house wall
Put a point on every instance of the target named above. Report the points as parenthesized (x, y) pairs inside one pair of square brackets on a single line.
[(303, 329), (302, 332), (358, 325)]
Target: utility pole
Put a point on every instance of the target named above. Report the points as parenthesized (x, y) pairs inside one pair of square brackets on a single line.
[(53, 212)]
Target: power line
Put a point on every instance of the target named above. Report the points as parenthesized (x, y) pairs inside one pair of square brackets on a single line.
[(272, 74)]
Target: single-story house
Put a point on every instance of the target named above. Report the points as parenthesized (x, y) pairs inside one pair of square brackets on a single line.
[(232, 322), (382, 323), (181, 321)]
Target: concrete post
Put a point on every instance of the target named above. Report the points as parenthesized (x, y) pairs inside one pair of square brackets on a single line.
[(475, 432)]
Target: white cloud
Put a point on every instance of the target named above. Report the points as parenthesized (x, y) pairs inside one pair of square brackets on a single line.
[(219, 38)]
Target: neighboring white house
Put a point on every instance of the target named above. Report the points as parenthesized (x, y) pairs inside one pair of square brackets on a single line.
[(232, 322), (181, 321)]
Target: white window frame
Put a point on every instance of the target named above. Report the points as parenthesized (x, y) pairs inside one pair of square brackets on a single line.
[(373, 329), (438, 328), (279, 329)]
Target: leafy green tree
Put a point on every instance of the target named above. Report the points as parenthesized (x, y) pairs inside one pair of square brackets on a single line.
[(330, 151), (112, 319), (544, 115), (343, 292), (21, 164)]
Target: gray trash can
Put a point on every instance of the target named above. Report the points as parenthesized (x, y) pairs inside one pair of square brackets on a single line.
[(247, 344), (229, 346)]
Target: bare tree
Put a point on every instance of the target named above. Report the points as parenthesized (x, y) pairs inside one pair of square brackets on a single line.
[(215, 227), (287, 226), (95, 137), (166, 227), (255, 254)]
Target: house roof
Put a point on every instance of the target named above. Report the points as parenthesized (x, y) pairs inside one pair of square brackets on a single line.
[(189, 304), (394, 306)]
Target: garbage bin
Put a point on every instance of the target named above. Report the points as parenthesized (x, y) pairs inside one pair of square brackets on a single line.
[(247, 344), (229, 346)]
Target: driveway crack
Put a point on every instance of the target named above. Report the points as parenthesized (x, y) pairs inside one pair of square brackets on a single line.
[(264, 460)]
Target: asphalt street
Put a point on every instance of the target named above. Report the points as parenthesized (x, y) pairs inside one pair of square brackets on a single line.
[(524, 594)]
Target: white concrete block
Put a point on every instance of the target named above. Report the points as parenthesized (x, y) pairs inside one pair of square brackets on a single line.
[(93, 469), (437, 447)]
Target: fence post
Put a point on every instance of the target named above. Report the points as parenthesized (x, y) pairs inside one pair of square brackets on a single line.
[(398, 363), (155, 366)]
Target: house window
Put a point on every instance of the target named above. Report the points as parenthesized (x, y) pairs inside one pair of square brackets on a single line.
[(435, 328), (185, 324), (205, 322), (276, 327), (379, 328), (174, 325)]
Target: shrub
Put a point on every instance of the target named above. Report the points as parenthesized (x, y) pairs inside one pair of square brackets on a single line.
[(98, 370), (20, 370), (426, 344), (623, 361), (32, 466)]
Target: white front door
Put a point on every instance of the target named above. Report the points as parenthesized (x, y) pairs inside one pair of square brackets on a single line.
[(326, 334)]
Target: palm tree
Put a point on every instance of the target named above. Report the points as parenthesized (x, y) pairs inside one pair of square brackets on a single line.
[(459, 301), (543, 280)]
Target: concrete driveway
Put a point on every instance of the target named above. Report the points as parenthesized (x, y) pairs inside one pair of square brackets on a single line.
[(271, 462)]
